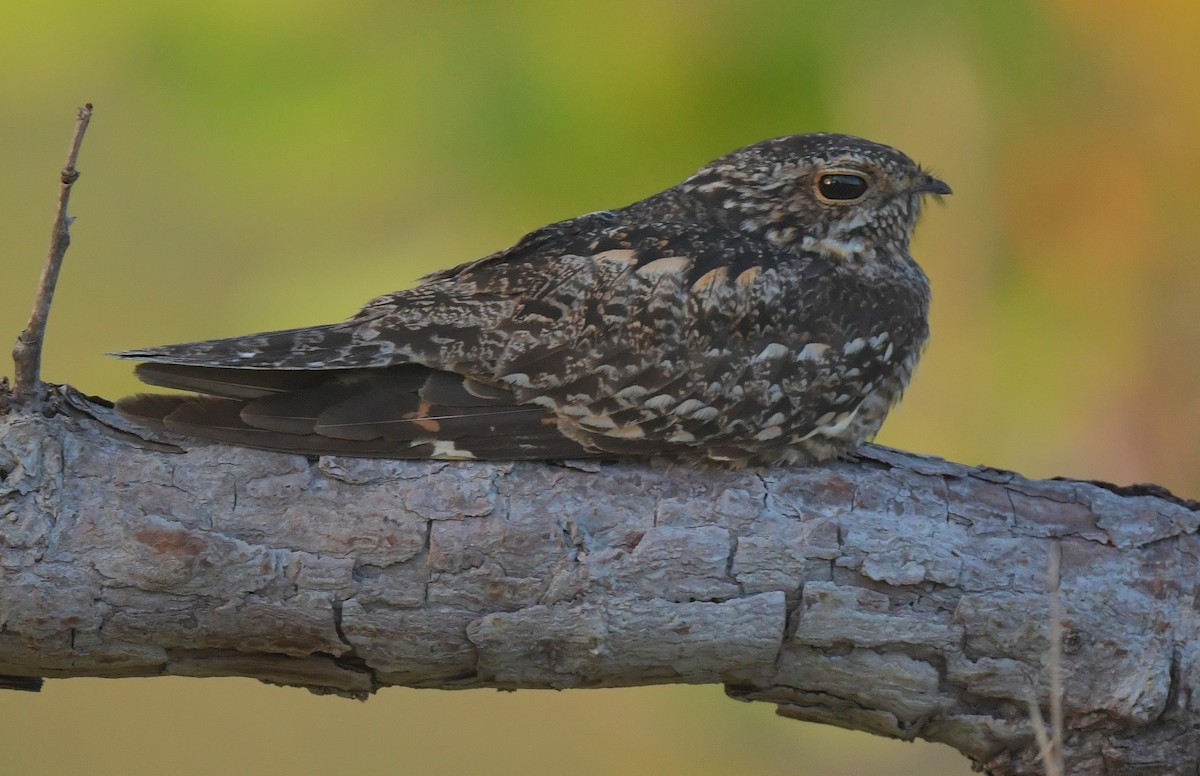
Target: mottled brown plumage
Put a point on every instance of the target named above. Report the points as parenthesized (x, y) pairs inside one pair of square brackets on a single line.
[(764, 310)]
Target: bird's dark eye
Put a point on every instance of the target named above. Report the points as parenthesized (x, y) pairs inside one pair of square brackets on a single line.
[(842, 186)]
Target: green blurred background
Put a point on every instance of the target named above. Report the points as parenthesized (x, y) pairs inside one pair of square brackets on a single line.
[(256, 165)]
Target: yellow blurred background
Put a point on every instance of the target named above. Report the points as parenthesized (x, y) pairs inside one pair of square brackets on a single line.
[(255, 165)]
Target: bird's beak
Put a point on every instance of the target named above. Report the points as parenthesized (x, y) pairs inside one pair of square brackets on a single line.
[(927, 184)]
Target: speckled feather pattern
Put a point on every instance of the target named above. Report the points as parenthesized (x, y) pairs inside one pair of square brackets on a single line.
[(739, 317)]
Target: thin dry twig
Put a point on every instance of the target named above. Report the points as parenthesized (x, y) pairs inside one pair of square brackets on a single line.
[(1053, 577), (27, 353), (1051, 745), (1045, 745)]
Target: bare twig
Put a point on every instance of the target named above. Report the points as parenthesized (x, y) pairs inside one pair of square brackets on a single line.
[(1045, 745), (27, 353), (1055, 766), (1051, 745)]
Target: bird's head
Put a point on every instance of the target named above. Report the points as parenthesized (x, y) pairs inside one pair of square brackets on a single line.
[(822, 191)]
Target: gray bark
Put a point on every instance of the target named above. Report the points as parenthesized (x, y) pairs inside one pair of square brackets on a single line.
[(897, 594)]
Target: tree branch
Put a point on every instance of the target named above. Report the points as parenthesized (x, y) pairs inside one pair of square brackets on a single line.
[(27, 352), (901, 595)]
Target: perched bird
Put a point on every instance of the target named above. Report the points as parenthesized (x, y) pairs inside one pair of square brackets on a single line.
[(766, 310)]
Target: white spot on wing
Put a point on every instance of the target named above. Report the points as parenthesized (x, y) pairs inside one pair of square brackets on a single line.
[(830, 425), (669, 265), (687, 406), (445, 449), (774, 350), (843, 422), (813, 351), (633, 392), (618, 256), (519, 379), (659, 402)]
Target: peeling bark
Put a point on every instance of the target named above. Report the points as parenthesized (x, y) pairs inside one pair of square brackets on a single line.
[(898, 594)]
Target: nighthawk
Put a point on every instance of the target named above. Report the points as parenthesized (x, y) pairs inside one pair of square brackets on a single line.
[(765, 310)]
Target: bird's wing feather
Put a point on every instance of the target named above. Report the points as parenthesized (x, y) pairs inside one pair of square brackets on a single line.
[(552, 348), (400, 412)]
